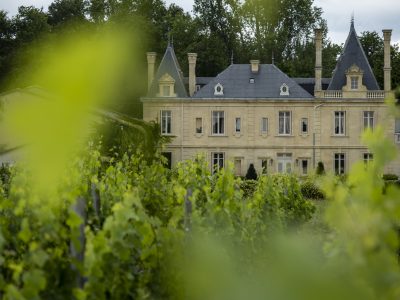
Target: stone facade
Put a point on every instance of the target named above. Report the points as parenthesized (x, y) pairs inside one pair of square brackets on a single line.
[(286, 130)]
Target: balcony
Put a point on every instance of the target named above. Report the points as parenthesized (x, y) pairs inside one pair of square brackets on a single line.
[(339, 94)]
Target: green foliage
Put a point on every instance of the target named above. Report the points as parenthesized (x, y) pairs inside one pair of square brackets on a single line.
[(390, 177), (320, 168), (310, 190)]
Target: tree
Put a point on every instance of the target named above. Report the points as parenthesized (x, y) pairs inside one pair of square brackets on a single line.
[(372, 43), (67, 12), (251, 173), (320, 168), (29, 24)]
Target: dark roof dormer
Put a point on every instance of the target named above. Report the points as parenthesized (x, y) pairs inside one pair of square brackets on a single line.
[(353, 54)]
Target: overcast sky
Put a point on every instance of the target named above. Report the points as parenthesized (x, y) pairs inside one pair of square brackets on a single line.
[(369, 14)]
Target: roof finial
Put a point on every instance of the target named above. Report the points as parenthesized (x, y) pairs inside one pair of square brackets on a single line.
[(169, 37), (352, 20), (273, 58), (232, 58)]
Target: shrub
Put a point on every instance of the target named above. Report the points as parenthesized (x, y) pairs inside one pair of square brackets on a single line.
[(248, 187), (320, 168), (311, 191), (251, 173), (390, 177)]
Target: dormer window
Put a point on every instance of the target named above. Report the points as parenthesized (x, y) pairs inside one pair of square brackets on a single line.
[(354, 82), (166, 86), (284, 90), (252, 80), (354, 77), (218, 90)]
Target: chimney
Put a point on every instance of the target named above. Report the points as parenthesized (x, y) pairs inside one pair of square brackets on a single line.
[(387, 33), (318, 61), (255, 66), (151, 61), (192, 58)]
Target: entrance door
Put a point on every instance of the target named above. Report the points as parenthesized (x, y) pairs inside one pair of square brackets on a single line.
[(285, 163)]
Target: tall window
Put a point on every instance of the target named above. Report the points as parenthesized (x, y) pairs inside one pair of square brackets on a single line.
[(168, 157), (354, 83), (264, 125), (339, 163), (340, 121), (284, 123), (264, 166), (166, 119), (304, 166), (285, 163), (238, 125), (368, 119), (199, 125), (304, 125), (218, 160), (218, 122)]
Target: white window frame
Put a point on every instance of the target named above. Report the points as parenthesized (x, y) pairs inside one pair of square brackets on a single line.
[(286, 119), (165, 120), (218, 119), (339, 119), (216, 159), (368, 120), (301, 125), (238, 129), (264, 125), (339, 158), (354, 82), (284, 159)]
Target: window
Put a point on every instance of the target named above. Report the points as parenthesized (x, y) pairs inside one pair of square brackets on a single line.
[(340, 122), (368, 120), (264, 166), (368, 158), (238, 125), (238, 167), (168, 157), (304, 125), (284, 90), (166, 89), (354, 83), (284, 163), (217, 161), (218, 90), (252, 80), (166, 127), (199, 125), (264, 125), (339, 163), (284, 123), (218, 120), (304, 166)]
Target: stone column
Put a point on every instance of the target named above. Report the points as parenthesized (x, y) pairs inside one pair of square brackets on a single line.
[(387, 69), (151, 62), (192, 58), (318, 62)]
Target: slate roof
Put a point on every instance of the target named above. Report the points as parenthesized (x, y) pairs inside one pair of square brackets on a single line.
[(199, 80), (309, 83), (169, 64), (353, 53), (236, 82)]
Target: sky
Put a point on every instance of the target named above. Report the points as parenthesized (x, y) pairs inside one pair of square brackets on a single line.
[(370, 15)]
